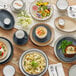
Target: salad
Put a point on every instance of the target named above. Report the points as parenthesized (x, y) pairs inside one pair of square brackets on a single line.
[(24, 19), (42, 9)]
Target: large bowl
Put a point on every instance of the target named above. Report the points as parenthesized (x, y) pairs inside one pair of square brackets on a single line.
[(28, 51)]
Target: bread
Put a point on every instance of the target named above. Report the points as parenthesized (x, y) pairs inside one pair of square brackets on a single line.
[(70, 51)]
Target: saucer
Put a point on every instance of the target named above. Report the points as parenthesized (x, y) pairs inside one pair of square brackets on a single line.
[(42, 42), (10, 50), (21, 42), (6, 14)]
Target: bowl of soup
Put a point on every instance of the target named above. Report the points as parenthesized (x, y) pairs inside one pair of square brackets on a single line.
[(33, 62), (41, 32)]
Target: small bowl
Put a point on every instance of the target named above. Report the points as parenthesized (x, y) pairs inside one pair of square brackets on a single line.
[(33, 50), (39, 29), (16, 8)]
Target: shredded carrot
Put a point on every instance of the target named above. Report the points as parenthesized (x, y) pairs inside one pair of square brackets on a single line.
[(18, 4)]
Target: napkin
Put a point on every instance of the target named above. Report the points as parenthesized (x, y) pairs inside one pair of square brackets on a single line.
[(56, 70)]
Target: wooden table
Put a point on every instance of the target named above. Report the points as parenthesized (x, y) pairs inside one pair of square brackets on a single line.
[(18, 50)]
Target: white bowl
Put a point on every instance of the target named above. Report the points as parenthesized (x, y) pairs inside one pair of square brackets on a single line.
[(33, 50)]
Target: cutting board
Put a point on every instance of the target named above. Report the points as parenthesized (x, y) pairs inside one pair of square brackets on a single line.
[(18, 50)]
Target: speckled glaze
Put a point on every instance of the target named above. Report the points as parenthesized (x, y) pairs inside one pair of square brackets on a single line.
[(59, 54), (6, 14)]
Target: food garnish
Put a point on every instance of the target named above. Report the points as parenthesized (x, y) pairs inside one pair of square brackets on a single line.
[(34, 64), (64, 44)]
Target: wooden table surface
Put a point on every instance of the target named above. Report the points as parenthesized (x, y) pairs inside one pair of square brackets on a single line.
[(18, 50)]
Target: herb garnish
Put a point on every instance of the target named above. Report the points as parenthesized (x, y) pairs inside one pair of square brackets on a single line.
[(64, 44), (34, 64)]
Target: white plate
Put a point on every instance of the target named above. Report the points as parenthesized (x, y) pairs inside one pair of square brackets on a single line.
[(33, 50), (42, 19), (72, 71)]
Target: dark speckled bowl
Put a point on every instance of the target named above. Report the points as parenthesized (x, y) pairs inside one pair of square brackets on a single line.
[(59, 54), (6, 14)]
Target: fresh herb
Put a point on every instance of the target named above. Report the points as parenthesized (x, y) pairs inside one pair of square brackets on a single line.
[(24, 62), (34, 64), (0, 53), (64, 44)]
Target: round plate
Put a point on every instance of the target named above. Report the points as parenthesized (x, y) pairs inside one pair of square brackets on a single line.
[(28, 51), (69, 26), (21, 42), (10, 50), (6, 14), (59, 54), (40, 19), (72, 71), (45, 41)]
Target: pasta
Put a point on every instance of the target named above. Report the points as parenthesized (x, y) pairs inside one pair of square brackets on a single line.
[(34, 63)]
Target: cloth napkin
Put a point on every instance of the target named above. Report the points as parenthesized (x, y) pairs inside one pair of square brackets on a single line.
[(56, 70)]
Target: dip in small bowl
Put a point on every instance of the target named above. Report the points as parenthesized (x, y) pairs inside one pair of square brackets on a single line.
[(41, 32)]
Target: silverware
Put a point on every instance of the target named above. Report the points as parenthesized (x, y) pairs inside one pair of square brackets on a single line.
[(56, 70), (52, 70)]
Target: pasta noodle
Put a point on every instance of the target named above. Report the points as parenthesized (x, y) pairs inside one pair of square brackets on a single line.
[(34, 63)]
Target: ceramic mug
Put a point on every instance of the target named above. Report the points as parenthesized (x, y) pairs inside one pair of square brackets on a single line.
[(20, 37)]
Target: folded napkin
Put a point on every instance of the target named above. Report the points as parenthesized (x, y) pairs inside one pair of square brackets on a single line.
[(56, 70)]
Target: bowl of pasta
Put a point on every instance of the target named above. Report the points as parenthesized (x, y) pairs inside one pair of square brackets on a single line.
[(33, 62)]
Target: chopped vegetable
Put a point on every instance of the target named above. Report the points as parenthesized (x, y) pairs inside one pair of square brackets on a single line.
[(64, 44), (1, 53), (34, 64), (24, 19), (41, 9)]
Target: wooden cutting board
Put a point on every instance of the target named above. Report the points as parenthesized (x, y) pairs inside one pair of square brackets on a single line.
[(18, 50)]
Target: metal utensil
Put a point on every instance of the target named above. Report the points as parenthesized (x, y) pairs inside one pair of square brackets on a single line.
[(52, 70), (56, 70)]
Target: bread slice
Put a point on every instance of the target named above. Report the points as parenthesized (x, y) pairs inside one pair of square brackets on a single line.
[(70, 51)]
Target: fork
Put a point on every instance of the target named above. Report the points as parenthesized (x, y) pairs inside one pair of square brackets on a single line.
[(52, 70)]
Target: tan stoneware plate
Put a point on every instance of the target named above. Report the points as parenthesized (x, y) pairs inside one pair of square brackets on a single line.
[(69, 26), (42, 42)]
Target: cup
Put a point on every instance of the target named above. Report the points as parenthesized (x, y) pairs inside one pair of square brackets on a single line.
[(7, 22), (20, 37)]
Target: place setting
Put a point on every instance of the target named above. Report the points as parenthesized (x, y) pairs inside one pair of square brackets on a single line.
[(42, 34), (27, 51)]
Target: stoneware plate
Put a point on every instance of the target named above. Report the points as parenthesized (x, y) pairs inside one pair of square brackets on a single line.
[(40, 19), (6, 14), (59, 54), (72, 71), (69, 26), (33, 50), (10, 50), (42, 42)]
